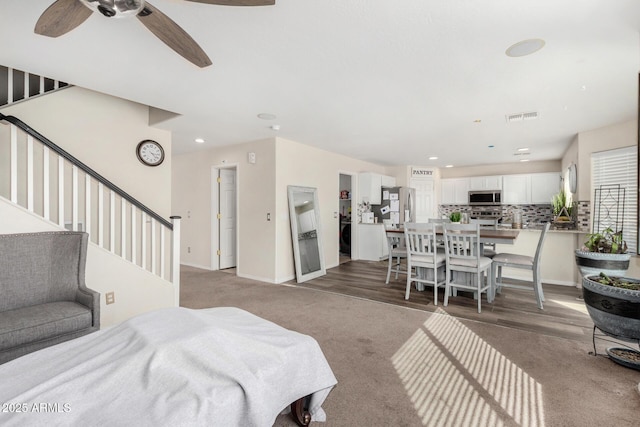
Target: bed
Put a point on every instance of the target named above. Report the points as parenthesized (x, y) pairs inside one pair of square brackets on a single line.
[(174, 366)]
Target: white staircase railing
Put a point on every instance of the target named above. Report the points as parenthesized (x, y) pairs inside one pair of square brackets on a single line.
[(17, 86), (46, 180)]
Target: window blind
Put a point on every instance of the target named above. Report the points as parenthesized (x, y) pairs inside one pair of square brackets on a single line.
[(618, 167)]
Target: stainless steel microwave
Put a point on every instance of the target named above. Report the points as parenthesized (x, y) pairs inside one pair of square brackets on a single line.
[(485, 197)]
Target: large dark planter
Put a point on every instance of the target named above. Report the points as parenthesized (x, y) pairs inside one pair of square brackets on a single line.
[(615, 311), (592, 263)]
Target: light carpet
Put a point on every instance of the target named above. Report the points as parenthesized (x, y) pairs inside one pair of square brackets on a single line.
[(402, 367)]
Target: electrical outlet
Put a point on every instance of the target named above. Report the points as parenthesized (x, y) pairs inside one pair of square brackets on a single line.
[(110, 297)]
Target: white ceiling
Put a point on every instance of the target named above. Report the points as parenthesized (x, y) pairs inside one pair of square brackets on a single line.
[(387, 81)]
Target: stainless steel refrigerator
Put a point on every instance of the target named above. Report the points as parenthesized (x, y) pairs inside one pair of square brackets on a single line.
[(398, 205)]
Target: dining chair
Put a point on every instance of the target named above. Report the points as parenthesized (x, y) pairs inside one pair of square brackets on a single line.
[(489, 249), (523, 262), (397, 252), (463, 257), (439, 222), (423, 256)]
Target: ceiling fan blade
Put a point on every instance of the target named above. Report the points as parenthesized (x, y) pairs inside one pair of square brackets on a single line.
[(237, 2), (173, 35), (61, 17)]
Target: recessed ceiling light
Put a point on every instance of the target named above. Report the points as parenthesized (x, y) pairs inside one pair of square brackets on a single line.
[(524, 160), (477, 121), (525, 47), (433, 158), (491, 146), (275, 127), (523, 149), (199, 140), (266, 116), (449, 166)]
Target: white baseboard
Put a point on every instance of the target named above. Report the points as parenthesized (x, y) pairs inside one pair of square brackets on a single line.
[(257, 278), (203, 267)]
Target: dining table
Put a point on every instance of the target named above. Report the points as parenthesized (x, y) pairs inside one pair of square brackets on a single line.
[(487, 235)]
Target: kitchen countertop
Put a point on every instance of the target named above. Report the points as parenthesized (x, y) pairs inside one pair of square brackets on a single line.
[(529, 227), (538, 227)]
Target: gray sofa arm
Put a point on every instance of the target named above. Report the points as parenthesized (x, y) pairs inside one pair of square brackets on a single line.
[(90, 298)]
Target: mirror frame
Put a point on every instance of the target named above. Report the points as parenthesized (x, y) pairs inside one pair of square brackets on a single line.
[(291, 191)]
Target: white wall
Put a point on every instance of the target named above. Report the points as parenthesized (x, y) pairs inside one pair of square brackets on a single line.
[(618, 135), (102, 132), (501, 169), (264, 247), (136, 290), (192, 188), (602, 139), (303, 165)]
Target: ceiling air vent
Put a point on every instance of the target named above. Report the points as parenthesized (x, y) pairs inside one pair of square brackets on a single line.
[(519, 117)]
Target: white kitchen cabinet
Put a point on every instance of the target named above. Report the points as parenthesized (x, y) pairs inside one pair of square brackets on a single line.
[(485, 182), (544, 186), (535, 188), (370, 187), (516, 189), (454, 191), (372, 242)]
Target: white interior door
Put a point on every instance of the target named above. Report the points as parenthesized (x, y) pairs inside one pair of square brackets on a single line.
[(425, 199), (227, 218)]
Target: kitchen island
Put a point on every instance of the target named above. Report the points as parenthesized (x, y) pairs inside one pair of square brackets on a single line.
[(372, 242), (557, 263)]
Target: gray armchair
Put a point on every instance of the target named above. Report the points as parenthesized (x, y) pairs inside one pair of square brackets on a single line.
[(43, 296)]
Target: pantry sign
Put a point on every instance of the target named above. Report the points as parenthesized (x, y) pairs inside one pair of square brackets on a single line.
[(421, 172)]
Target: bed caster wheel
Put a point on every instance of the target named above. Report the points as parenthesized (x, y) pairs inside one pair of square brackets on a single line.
[(300, 413)]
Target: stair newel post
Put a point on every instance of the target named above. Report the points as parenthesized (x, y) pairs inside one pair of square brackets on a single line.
[(175, 257)]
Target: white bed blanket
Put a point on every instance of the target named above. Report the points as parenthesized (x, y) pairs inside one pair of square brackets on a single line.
[(171, 367)]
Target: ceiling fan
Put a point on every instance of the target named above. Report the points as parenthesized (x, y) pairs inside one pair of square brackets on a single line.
[(65, 15)]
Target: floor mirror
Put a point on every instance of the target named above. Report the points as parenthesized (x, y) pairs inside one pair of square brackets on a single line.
[(304, 216)]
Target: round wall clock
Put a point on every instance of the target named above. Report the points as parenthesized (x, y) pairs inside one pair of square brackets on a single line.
[(150, 152)]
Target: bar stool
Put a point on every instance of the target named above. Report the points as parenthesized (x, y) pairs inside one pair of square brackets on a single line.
[(397, 251)]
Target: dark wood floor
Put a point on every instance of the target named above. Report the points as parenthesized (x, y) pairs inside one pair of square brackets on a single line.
[(564, 313)]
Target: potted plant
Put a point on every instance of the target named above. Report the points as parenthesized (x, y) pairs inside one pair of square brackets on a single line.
[(614, 305), (455, 217), (562, 207), (603, 252)]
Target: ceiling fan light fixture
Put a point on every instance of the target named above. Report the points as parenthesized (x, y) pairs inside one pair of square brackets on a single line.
[(115, 8)]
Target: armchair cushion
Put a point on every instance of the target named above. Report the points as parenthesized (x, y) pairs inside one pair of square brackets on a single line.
[(39, 322)]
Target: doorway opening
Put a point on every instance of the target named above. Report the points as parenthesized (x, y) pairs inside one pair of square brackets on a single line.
[(224, 221), (345, 211)]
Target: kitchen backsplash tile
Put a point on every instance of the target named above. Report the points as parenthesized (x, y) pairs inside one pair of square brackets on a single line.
[(530, 213), (583, 216)]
